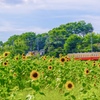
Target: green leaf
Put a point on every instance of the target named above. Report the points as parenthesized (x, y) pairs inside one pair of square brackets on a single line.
[(84, 92), (60, 85), (42, 93), (73, 97), (66, 94), (36, 88), (83, 84), (64, 81)]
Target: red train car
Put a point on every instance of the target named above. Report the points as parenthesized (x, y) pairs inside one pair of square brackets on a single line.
[(84, 56)]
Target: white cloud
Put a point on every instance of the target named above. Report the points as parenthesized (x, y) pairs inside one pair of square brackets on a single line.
[(29, 5), (11, 27), (8, 29), (6, 26), (91, 7), (93, 19)]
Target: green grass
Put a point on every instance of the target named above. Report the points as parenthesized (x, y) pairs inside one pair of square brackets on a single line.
[(77, 93)]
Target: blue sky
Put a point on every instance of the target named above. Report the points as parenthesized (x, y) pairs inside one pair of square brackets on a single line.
[(19, 16)]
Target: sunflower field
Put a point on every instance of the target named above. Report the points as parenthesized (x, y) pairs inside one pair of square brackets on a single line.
[(48, 78)]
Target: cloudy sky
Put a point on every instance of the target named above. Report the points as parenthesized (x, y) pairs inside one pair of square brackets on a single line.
[(19, 16)]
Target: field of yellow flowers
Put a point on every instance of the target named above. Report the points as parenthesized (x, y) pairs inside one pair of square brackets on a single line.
[(48, 78)]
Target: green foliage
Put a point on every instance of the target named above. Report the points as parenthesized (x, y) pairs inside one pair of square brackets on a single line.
[(29, 38), (71, 43), (67, 38), (16, 80), (41, 41)]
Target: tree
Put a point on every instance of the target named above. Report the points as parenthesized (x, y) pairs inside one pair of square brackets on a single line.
[(19, 47), (71, 43), (29, 38), (56, 38), (1, 47), (1, 43), (82, 28), (11, 40), (41, 40), (90, 42)]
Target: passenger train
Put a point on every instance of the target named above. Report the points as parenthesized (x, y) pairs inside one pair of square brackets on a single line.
[(84, 56)]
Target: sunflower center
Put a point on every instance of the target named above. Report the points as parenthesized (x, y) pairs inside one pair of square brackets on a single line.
[(6, 54), (87, 71), (35, 75), (5, 63), (62, 59), (16, 58), (69, 85), (50, 60)]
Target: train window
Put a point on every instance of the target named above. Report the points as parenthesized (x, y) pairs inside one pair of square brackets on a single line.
[(96, 54), (93, 54)]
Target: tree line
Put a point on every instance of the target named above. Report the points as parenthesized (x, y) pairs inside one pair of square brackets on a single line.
[(72, 37)]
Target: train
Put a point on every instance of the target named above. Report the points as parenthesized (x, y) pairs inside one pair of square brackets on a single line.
[(84, 56), (76, 56)]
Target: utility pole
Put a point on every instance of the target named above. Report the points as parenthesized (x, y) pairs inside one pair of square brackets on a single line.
[(91, 42)]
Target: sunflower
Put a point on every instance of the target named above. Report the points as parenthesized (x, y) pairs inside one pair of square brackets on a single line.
[(14, 75), (99, 65), (95, 76), (86, 71), (31, 53), (62, 59), (44, 57), (86, 63), (69, 85), (34, 75), (66, 56), (49, 67), (23, 54), (16, 58), (5, 54), (5, 63), (50, 60), (94, 64), (67, 59), (24, 57)]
